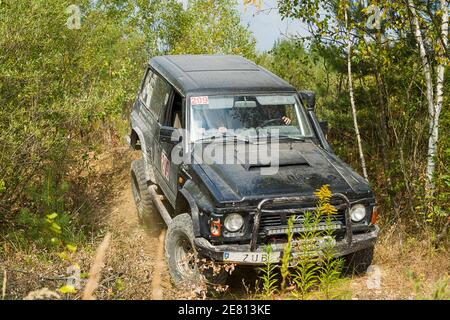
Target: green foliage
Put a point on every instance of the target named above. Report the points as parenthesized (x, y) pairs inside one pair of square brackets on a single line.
[(66, 94), (59, 89), (209, 27), (312, 272), (440, 291), (287, 255), (269, 275), (389, 93), (307, 270)]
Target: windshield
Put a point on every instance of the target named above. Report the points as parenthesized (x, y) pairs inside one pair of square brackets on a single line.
[(247, 117)]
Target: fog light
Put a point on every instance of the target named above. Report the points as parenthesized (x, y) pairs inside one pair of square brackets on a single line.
[(215, 228), (358, 213), (234, 222)]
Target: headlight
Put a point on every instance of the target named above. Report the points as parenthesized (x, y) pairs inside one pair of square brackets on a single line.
[(358, 213), (234, 222)]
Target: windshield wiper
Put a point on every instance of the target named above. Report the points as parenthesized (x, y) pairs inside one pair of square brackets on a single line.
[(286, 137), (292, 138), (223, 136)]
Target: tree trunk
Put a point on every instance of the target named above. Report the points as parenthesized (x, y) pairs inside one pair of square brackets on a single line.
[(434, 106), (352, 98), (439, 95), (383, 126)]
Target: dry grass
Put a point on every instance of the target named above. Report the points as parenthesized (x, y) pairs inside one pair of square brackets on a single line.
[(96, 268), (410, 268), (42, 294)]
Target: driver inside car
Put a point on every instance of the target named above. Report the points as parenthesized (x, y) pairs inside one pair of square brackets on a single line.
[(275, 113), (220, 120), (222, 128)]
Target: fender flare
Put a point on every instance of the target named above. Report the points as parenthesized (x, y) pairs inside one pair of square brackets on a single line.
[(140, 136), (194, 210)]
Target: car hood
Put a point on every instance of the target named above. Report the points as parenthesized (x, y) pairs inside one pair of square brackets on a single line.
[(303, 168)]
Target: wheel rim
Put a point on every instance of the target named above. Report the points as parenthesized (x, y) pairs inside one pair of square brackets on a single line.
[(137, 196), (185, 257)]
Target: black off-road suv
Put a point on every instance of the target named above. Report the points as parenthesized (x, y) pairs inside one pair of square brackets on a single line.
[(230, 152)]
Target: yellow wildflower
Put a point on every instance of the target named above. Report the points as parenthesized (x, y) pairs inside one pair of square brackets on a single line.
[(324, 193)]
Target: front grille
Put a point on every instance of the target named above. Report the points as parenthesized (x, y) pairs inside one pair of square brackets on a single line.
[(281, 219), (276, 219)]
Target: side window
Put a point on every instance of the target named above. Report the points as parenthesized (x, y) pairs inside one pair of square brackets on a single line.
[(155, 93), (147, 88), (160, 95), (174, 115)]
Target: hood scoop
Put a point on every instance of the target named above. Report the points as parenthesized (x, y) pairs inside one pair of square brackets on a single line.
[(298, 160)]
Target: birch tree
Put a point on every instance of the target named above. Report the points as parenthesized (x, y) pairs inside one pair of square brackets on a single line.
[(434, 90), (352, 96), (329, 22)]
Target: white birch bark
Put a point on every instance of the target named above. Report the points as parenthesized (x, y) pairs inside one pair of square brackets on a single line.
[(439, 96), (434, 98), (352, 98)]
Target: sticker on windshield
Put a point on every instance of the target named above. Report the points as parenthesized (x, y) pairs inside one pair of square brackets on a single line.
[(199, 100)]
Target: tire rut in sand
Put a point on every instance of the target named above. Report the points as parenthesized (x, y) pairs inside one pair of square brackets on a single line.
[(135, 258)]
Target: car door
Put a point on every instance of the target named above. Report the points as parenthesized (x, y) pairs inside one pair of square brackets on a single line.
[(146, 117), (171, 141), (162, 96)]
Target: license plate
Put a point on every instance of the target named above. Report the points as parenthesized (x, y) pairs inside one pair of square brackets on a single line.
[(251, 257)]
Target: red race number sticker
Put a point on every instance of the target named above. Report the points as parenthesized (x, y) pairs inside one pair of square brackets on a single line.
[(165, 165), (199, 100)]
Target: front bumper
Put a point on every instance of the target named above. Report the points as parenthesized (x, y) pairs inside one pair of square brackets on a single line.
[(216, 253)]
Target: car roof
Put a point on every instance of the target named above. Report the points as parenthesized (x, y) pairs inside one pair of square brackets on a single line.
[(212, 74)]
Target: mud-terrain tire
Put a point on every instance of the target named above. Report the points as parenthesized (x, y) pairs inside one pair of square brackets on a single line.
[(180, 251), (142, 198), (181, 255), (358, 262)]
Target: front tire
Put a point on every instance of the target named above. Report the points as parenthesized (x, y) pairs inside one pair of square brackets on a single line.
[(180, 251), (182, 259)]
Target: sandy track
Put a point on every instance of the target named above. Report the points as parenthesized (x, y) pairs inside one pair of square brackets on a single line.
[(135, 260)]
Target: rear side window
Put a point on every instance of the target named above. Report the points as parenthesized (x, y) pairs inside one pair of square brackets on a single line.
[(160, 95), (147, 89), (155, 93)]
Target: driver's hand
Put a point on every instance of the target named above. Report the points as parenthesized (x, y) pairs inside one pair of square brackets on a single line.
[(222, 130), (286, 121)]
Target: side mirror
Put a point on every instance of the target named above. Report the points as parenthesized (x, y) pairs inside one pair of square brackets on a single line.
[(324, 126), (170, 135), (308, 99)]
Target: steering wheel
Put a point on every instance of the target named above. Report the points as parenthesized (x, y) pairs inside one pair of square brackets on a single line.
[(272, 122)]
